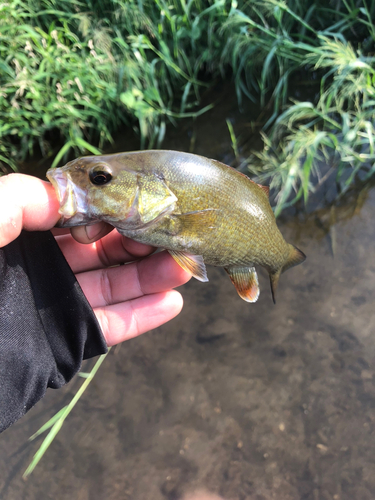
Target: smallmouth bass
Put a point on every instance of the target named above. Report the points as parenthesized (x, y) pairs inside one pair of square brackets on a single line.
[(200, 210)]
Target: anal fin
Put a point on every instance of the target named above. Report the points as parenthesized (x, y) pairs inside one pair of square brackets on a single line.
[(245, 280), (193, 264)]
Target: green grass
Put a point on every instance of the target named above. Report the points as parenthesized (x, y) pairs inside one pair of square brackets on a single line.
[(54, 424), (339, 130), (72, 73), (274, 41)]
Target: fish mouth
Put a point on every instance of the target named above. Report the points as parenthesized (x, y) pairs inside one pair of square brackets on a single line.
[(72, 199)]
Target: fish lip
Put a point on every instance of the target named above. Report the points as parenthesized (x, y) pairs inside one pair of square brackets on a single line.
[(72, 199), (59, 181)]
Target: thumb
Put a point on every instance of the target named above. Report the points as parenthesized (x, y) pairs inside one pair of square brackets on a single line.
[(25, 203)]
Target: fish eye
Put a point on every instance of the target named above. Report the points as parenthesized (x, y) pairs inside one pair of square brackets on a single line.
[(100, 175)]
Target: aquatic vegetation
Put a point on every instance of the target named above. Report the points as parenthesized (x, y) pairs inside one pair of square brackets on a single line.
[(338, 131)]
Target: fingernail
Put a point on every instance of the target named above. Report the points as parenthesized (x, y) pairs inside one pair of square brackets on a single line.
[(93, 231)]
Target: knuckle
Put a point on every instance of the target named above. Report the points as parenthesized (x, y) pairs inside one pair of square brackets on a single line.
[(102, 253), (104, 323), (135, 321), (138, 278), (106, 287)]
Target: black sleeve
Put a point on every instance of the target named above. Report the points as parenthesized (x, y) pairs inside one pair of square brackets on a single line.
[(46, 324)]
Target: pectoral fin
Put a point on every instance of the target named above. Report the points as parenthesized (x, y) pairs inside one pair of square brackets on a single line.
[(197, 221), (193, 264), (245, 280)]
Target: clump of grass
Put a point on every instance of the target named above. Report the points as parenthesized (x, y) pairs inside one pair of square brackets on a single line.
[(83, 69), (269, 40), (275, 40), (266, 42), (51, 80), (339, 130)]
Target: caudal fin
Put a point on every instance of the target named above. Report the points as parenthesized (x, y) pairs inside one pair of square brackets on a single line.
[(295, 257)]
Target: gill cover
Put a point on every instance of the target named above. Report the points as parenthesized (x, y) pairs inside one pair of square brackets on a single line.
[(152, 200)]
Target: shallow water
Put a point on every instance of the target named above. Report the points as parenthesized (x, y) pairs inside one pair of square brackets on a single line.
[(250, 401)]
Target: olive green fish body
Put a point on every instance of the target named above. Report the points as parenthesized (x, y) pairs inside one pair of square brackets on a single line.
[(200, 210)]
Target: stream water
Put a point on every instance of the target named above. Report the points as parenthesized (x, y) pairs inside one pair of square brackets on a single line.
[(248, 401)]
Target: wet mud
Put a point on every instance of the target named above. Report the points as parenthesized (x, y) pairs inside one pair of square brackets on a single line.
[(248, 401)]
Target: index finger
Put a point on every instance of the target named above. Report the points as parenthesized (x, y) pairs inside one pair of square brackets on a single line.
[(25, 203), (108, 251)]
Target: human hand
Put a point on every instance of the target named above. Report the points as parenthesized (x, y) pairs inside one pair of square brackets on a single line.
[(127, 300)]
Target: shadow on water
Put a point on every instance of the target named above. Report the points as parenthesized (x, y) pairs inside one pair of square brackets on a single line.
[(253, 402)]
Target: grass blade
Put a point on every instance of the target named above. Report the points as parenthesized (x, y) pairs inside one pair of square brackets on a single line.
[(57, 421)]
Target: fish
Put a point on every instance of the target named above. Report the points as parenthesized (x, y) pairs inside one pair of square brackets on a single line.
[(198, 209)]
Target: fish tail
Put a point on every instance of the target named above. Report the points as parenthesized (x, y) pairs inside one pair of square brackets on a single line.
[(294, 258), (274, 281)]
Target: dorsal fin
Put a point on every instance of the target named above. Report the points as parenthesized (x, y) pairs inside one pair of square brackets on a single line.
[(266, 189)]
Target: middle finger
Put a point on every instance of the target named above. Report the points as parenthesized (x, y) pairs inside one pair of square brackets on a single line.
[(156, 273)]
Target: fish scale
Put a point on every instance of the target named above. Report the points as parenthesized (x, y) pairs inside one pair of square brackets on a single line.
[(200, 210)]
